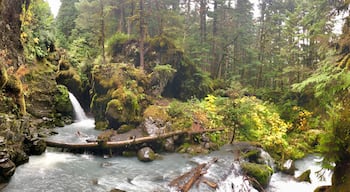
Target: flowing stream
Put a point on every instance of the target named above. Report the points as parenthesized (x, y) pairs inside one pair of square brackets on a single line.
[(60, 171)]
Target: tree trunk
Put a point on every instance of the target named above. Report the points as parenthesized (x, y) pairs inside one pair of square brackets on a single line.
[(142, 35), (214, 62), (102, 18), (203, 21)]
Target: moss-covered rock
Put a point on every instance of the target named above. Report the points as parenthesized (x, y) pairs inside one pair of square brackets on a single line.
[(3, 77), (305, 176), (119, 94), (261, 173), (156, 112), (14, 86), (62, 101), (146, 154), (70, 78)]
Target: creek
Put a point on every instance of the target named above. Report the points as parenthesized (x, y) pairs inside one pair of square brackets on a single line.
[(62, 171)]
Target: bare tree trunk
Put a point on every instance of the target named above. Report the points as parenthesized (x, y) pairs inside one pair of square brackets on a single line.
[(121, 23), (203, 20), (214, 62), (102, 18), (142, 35)]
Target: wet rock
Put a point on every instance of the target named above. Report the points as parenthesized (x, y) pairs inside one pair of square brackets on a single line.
[(106, 164), (19, 157), (155, 126), (323, 189), (305, 176), (117, 190), (35, 146), (169, 145), (146, 154), (288, 167), (261, 173), (94, 181), (7, 167)]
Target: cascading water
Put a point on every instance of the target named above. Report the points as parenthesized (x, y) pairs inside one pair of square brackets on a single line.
[(78, 110), (81, 130)]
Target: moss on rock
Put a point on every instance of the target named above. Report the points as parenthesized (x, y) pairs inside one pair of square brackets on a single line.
[(262, 173), (62, 102), (119, 95), (305, 176), (3, 77), (156, 112)]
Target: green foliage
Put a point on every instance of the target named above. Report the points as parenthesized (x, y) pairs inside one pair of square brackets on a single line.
[(37, 30), (258, 121), (198, 86), (336, 138), (65, 22)]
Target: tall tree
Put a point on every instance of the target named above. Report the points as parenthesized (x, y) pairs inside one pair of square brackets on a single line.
[(65, 22), (142, 34)]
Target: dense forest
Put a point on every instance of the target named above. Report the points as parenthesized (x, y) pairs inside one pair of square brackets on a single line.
[(275, 74)]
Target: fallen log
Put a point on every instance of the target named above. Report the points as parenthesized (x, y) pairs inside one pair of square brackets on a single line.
[(210, 183), (185, 181), (92, 144)]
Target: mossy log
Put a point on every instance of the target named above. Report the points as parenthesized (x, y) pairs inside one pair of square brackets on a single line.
[(120, 144)]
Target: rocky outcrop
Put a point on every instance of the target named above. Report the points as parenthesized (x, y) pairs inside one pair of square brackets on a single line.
[(7, 167)]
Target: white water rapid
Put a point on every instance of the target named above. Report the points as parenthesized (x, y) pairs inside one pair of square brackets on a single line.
[(79, 113)]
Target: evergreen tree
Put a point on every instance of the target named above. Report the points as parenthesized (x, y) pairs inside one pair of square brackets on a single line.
[(65, 22)]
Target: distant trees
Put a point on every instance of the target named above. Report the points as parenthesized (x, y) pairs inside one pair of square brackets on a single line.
[(273, 50)]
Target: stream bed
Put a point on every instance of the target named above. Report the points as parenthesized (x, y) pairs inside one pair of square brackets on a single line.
[(59, 171)]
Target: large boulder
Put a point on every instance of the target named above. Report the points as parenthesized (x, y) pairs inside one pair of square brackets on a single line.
[(146, 154), (261, 173)]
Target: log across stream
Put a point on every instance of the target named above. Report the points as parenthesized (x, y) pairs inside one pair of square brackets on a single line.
[(126, 143)]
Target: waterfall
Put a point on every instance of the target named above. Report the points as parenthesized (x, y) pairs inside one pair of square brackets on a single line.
[(79, 113)]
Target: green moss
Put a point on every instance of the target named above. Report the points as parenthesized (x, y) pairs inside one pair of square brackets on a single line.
[(62, 102), (3, 77), (101, 125), (114, 109), (14, 86), (156, 112), (70, 78), (262, 173), (125, 128), (305, 176), (129, 153)]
